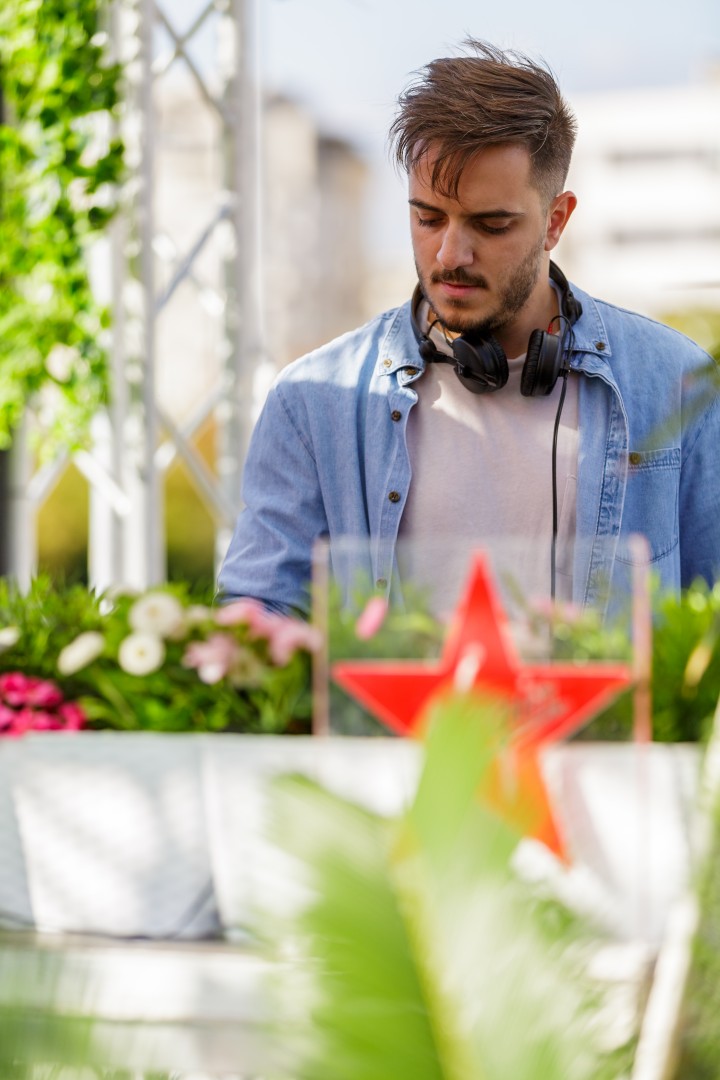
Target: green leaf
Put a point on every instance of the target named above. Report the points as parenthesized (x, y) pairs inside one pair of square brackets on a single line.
[(424, 955)]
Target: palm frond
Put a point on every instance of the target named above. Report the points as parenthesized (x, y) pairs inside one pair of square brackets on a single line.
[(423, 955)]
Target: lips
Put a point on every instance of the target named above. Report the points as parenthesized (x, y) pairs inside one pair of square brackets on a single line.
[(458, 280), (456, 290)]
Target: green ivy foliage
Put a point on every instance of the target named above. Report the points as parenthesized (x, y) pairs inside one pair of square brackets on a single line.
[(59, 170)]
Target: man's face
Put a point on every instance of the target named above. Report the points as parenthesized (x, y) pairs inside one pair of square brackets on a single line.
[(480, 257)]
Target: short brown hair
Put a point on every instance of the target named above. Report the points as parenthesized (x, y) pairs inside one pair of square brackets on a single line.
[(461, 105)]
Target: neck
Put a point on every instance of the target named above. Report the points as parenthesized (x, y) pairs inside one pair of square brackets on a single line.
[(538, 314)]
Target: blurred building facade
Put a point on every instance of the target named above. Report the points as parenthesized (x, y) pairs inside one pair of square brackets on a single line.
[(646, 169), (310, 276), (314, 232)]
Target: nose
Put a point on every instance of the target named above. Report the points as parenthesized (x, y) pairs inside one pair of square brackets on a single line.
[(455, 249)]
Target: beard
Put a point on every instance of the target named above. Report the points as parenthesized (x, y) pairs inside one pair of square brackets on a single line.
[(513, 295)]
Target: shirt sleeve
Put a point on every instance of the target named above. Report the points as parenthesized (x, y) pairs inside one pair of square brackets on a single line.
[(699, 509), (270, 554)]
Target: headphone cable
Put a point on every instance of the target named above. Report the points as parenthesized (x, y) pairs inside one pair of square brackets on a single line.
[(565, 349), (553, 542)]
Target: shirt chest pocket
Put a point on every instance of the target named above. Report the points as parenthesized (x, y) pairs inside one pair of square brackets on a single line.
[(651, 499)]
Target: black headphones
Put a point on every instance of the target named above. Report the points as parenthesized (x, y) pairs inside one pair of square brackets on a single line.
[(480, 363)]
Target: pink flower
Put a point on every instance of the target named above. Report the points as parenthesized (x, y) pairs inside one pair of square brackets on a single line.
[(287, 636), (25, 721), (250, 612), (36, 720), (72, 716), (19, 689), (44, 694), (214, 658), (31, 704), (14, 687), (371, 618), (7, 718), (284, 635)]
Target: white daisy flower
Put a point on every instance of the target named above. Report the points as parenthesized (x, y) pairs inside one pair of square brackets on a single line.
[(9, 636), (141, 653), (157, 613), (80, 652)]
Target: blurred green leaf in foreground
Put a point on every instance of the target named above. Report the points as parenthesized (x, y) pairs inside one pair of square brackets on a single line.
[(421, 955)]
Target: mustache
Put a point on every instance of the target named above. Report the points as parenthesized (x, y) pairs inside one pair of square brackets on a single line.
[(458, 277)]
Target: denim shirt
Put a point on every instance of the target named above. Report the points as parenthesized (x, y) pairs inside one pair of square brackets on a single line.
[(329, 456)]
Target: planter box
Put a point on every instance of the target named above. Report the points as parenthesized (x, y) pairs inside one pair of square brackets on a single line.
[(163, 835), (104, 833), (627, 813), (251, 874)]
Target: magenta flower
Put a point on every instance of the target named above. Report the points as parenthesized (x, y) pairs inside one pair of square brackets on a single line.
[(31, 704), (7, 718), (14, 687), (71, 715), (44, 695)]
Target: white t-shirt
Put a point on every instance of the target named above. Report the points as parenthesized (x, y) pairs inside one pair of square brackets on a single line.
[(482, 477)]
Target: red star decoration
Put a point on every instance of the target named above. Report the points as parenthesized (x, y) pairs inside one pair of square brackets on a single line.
[(547, 701)]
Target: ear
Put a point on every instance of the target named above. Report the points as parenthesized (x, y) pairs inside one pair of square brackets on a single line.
[(558, 216)]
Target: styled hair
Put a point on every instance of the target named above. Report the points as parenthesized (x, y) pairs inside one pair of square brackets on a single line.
[(458, 106)]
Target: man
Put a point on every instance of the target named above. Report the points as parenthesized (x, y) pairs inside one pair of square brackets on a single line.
[(500, 406)]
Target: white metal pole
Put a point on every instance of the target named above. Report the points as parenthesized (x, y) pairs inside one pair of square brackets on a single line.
[(146, 564), (105, 525), (22, 510), (243, 347)]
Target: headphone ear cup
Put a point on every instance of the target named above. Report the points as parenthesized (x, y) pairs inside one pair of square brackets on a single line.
[(543, 364), (481, 366)]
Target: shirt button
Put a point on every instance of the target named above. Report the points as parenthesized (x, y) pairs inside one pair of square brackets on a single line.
[(600, 346), (381, 583), (387, 363), (411, 370), (394, 496), (396, 415), (634, 458)]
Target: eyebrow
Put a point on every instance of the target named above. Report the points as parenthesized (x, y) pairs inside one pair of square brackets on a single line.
[(420, 205)]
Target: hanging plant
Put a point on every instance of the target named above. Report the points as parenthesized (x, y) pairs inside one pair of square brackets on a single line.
[(59, 170)]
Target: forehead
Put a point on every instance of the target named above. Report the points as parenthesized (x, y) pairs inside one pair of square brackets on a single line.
[(495, 172)]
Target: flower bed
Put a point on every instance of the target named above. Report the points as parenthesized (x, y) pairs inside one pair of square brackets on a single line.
[(159, 661)]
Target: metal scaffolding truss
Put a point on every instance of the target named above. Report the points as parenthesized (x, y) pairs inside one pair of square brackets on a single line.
[(137, 438)]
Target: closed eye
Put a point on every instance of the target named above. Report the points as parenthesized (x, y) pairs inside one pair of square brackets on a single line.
[(492, 230)]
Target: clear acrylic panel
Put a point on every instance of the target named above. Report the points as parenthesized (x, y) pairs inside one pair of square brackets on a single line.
[(370, 610)]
